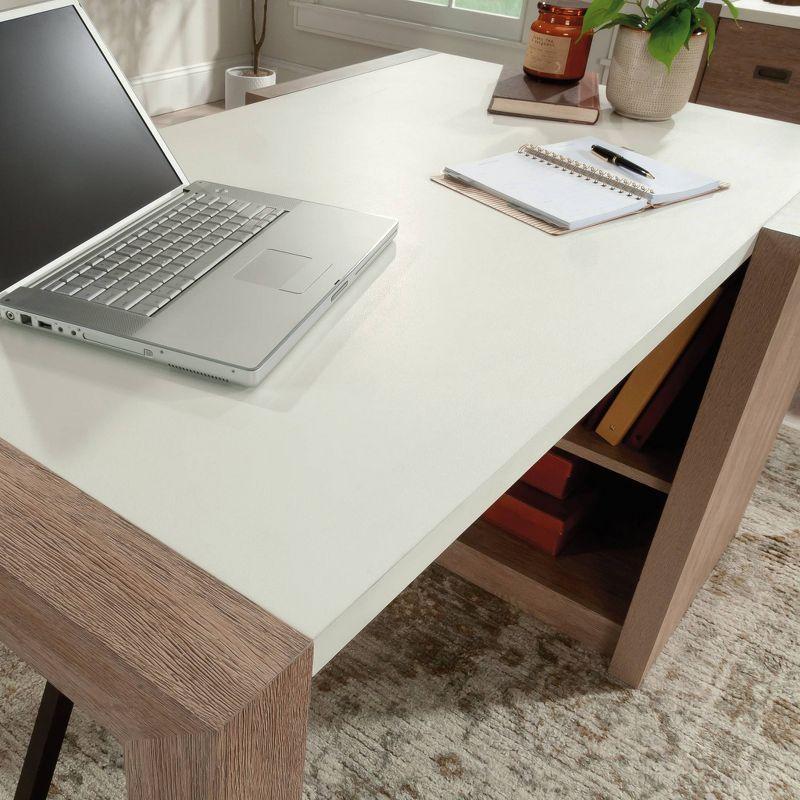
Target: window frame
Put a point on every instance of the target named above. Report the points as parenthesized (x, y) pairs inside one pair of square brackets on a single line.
[(443, 17)]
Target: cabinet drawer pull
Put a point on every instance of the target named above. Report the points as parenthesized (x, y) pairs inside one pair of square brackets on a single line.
[(772, 74)]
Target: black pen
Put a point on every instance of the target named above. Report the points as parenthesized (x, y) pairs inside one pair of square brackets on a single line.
[(620, 161)]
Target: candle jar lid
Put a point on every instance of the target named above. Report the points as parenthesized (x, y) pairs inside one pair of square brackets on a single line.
[(562, 10)]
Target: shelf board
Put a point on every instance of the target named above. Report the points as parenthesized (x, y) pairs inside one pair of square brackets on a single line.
[(653, 468), (585, 594)]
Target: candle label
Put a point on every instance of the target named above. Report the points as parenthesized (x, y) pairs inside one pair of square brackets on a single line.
[(547, 53)]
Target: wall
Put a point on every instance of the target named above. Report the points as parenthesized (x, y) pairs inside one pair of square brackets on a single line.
[(174, 51), (285, 43)]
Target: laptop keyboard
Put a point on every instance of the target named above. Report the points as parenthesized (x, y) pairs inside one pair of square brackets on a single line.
[(145, 271)]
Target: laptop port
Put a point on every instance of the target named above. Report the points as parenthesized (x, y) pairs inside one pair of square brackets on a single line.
[(25, 319), (46, 325)]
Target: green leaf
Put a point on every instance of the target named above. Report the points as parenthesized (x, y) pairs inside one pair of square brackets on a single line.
[(732, 8), (670, 35), (627, 20), (599, 13), (705, 21), (662, 12)]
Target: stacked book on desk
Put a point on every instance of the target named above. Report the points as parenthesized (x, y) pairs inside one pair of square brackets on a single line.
[(546, 506), (633, 412)]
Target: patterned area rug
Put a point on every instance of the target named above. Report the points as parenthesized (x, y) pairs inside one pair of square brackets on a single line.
[(453, 694)]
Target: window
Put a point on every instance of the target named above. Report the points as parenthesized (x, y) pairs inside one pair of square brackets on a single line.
[(497, 19)]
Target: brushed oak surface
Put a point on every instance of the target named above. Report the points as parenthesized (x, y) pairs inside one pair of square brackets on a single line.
[(729, 80), (751, 386), (207, 692), (653, 468)]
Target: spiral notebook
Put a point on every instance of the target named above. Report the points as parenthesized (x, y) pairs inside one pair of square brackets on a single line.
[(565, 186)]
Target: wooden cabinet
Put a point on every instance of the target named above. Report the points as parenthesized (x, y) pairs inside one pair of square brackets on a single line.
[(755, 69)]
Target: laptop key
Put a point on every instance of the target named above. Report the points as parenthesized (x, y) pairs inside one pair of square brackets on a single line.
[(240, 236), (67, 288), (253, 211), (104, 282), (110, 295), (90, 292), (130, 299), (80, 282), (179, 282), (166, 292), (149, 284), (162, 276)]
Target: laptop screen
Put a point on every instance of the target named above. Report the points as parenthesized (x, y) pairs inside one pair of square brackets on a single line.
[(75, 155)]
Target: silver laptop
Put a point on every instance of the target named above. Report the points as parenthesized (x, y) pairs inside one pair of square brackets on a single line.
[(104, 240)]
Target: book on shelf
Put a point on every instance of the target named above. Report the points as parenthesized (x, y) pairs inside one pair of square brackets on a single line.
[(517, 94), (555, 473), (537, 518), (597, 412), (646, 378), (707, 338)]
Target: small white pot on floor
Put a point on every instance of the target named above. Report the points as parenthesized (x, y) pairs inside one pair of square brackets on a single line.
[(241, 80)]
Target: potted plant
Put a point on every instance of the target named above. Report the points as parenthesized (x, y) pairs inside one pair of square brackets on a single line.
[(240, 80), (657, 53)]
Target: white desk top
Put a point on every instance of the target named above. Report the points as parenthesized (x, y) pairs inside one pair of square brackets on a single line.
[(765, 13), (455, 363)]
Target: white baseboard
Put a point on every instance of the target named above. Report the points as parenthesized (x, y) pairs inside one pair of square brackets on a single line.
[(194, 85)]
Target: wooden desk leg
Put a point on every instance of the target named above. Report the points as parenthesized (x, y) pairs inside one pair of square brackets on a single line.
[(207, 693), (751, 386), (45, 745)]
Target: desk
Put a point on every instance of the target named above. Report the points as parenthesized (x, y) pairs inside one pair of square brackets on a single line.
[(179, 557)]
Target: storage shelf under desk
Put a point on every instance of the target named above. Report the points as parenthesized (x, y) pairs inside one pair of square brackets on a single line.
[(587, 589), (652, 467)]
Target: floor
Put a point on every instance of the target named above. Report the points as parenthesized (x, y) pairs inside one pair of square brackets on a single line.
[(451, 694)]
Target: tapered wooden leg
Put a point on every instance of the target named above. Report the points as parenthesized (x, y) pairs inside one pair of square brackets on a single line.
[(751, 386), (45, 745)]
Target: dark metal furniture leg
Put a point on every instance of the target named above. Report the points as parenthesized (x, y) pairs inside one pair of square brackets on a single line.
[(45, 745)]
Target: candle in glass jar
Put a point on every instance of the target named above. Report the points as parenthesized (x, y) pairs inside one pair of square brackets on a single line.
[(554, 51)]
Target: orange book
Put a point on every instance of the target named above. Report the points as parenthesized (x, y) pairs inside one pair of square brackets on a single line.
[(537, 518), (644, 381)]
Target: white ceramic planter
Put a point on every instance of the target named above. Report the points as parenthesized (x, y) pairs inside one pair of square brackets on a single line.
[(641, 87), (238, 83)]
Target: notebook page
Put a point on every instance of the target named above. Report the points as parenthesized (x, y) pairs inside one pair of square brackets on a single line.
[(670, 185), (561, 198)]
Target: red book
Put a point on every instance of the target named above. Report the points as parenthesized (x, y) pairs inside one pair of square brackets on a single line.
[(556, 474), (707, 337), (539, 519)]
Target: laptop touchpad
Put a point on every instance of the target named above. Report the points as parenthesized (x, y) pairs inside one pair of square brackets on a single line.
[(279, 269)]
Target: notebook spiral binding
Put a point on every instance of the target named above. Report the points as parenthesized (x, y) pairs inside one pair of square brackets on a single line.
[(590, 173)]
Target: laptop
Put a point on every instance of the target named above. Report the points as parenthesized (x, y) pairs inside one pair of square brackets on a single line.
[(104, 240)]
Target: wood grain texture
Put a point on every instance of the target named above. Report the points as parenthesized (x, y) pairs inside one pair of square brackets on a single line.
[(332, 75), (207, 692), (729, 80), (651, 467), (583, 592), (751, 386)]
